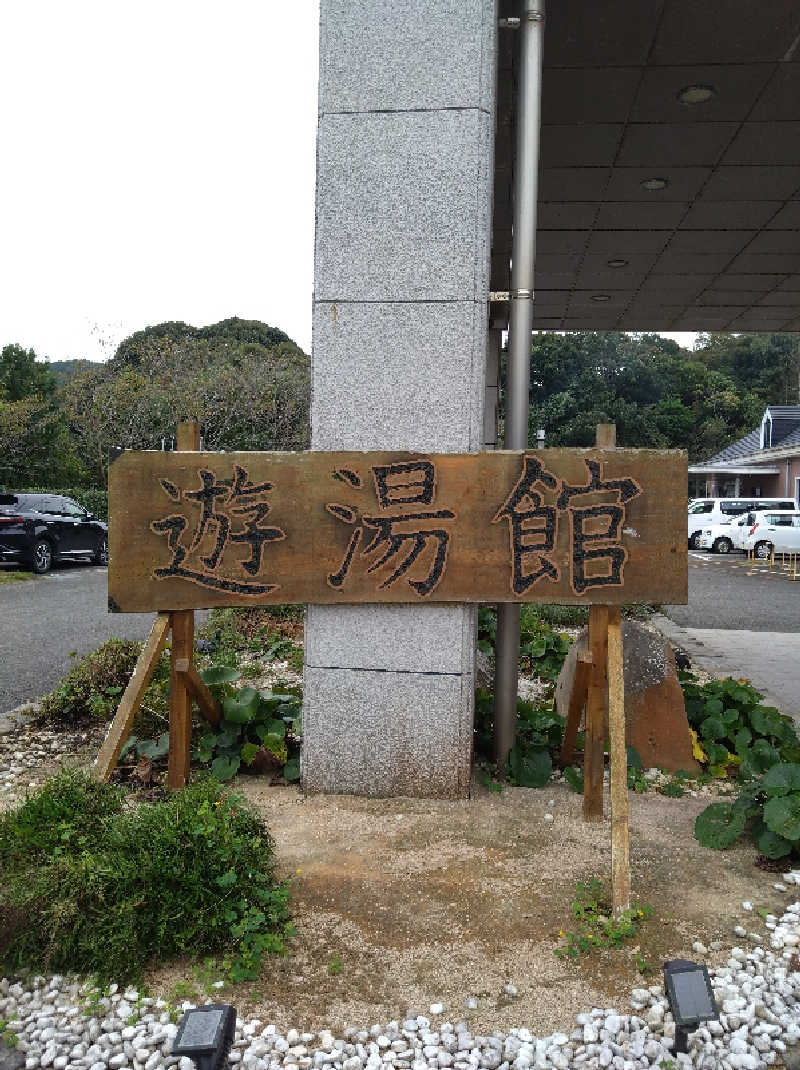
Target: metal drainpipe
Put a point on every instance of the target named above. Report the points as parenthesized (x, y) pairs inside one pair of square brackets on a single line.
[(520, 326)]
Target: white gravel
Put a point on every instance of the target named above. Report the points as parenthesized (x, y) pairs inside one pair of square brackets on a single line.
[(57, 1023)]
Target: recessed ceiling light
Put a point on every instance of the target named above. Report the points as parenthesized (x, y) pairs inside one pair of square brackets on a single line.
[(600, 297), (652, 184), (619, 263), (696, 94)]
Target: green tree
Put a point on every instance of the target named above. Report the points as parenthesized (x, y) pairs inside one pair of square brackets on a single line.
[(22, 375)]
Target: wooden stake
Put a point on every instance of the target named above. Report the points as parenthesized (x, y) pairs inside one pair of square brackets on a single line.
[(180, 699), (120, 728), (180, 692), (577, 701), (620, 857), (605, 435), (209, 706), (595, 735)]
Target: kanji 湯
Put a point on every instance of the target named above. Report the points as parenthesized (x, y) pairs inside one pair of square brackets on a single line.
[(232, 511), (398, 539)]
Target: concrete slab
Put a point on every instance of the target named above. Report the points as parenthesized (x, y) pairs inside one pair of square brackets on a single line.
[(770, 660)]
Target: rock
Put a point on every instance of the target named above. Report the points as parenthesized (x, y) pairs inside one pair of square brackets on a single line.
[(655, 715), (10, 1058)]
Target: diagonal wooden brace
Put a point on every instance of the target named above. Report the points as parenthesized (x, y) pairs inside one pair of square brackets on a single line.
[(120, 727)]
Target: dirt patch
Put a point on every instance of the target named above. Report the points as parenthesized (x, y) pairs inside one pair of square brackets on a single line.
[(399, 903)]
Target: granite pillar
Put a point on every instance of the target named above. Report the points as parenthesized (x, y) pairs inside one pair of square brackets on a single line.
[(404, 173)]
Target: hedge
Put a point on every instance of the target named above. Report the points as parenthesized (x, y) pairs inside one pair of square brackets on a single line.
[(94, 499)]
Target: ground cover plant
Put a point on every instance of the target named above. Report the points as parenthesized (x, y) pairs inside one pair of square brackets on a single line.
[(595, 926), (91, 885), (768, 808), (734, 733)]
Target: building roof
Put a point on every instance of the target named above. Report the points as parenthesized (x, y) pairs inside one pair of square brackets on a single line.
[(745, 447), (785, 421)]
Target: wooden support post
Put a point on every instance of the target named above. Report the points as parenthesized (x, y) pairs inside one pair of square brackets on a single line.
[(595, 735), (577, 702), (209, 706), (180, 695), (180, 699), (120, 727), (188, 437), (620, 857)]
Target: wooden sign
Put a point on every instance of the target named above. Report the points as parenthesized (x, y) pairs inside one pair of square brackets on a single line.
[(194, 530)]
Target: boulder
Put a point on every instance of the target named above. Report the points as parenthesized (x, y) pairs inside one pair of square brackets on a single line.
[(655, 715)]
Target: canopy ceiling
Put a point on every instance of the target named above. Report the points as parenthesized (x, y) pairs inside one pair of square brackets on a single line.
[(715, 248)]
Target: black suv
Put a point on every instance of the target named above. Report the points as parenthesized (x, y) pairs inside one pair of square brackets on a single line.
[(38, 529)]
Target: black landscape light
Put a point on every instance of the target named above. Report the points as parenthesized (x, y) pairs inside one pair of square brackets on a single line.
[(206, 1035), (691, 998)]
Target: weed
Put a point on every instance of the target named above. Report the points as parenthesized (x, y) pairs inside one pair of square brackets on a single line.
[(643, 966), (88, 886), (92, 686), (596, 926), (16, 576), (335, 966)]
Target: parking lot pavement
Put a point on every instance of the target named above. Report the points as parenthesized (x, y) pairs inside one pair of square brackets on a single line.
[(44, 619), (742, 620), (730, 592)]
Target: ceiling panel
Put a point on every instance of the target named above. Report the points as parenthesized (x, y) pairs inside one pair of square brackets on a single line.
[(718, 246), (736, 90), (779, 98), (734, 215), (617, 215), (683, 183), (752, 183), (788, 217), (572, 184), (598, 34), (710, 241), (608, 243), (586, 146), (770, 143), (732, 31), (589, 95)]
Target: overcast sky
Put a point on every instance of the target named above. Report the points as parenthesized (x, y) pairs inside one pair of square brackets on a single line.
[(158, 163)]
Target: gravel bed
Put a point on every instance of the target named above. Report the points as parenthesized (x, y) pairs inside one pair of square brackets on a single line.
[(63, 1023)]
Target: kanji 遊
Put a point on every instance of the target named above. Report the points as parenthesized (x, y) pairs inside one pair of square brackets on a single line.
[(189, 530)]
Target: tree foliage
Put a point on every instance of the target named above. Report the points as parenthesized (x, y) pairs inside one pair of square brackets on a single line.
[(246, 383), (657, 394)]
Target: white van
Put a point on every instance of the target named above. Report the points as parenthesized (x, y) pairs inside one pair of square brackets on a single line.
[(705, 512)]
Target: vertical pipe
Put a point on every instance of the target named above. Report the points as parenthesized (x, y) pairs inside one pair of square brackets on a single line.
[(520, 326)]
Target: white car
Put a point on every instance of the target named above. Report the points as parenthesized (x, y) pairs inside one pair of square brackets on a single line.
[(704, 513), (774, 529), (725, 537)]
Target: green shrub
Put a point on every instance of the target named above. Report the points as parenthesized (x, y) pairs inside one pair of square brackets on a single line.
[(95, 499), (254, 630), (542, 651), (735, 730), (768, 807), (539, 731), (92, 687), (107, 889)]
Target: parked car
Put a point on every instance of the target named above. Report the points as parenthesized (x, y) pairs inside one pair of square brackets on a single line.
[(39, 529), (774, 529), (705, 512)]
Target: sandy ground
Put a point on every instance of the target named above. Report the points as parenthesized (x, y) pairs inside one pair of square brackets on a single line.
[(425, 901)]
